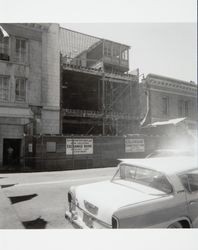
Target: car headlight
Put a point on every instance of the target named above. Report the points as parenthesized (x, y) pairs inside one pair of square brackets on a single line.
[(115, 222)]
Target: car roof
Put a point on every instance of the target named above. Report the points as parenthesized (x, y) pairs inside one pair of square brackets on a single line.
[(168, 165), (171, 150)]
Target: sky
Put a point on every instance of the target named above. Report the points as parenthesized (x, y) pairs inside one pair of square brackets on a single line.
[(168, 49)]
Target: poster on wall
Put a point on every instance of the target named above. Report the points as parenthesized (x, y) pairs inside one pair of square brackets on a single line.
[(134, 145), (79, 146)]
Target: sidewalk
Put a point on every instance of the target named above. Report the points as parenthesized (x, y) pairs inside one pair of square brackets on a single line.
[(8, 216)]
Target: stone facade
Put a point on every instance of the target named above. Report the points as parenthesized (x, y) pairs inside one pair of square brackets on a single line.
[(163, 98), (29, 82)]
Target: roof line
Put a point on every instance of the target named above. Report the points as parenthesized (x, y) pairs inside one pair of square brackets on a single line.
[(94, 36), (80, 33), (172, 79)]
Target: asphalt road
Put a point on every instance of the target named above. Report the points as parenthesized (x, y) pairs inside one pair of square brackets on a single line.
[(40, 199)]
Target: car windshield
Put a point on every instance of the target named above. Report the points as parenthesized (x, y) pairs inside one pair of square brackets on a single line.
[(147, 177)]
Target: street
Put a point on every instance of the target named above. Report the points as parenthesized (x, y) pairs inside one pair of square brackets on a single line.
[(40, 199)]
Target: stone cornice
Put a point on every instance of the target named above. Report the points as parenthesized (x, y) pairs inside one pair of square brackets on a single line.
[(169, 79), (35, 26), (170, 84)]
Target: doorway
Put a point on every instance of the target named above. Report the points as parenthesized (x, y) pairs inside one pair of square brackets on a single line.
[(11, 152)]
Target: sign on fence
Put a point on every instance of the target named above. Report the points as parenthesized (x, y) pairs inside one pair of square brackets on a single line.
[(134, 145), (79, 146)]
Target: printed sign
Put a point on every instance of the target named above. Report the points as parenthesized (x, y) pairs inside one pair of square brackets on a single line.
[(51, 147), (134, 145), (79, 146)]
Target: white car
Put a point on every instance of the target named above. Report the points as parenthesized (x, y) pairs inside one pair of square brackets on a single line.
[(170, 153), (143, 193)]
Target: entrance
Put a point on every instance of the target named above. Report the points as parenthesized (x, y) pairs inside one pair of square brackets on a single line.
[(11, 152)]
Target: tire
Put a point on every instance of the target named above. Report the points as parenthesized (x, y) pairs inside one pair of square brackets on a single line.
[(175, 225)]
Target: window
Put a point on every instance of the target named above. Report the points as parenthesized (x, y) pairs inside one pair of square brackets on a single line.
[(165, 105), (21, 50), (107, 49), (20, 89), (4, 88), (186, 108), (180, 108), (4, 48), (146, 177), (116, 52), (190, 181), (124, 55)]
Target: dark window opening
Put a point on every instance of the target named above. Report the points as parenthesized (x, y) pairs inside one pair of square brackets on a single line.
[(186, 108), (21, 50), (165, 105), (4, 88), (20, 89), (4, 48), (180, 108)]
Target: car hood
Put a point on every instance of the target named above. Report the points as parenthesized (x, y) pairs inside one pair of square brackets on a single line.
[(102, 199)]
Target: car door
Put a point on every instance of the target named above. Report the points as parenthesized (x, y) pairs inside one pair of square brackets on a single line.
[(190, 181)]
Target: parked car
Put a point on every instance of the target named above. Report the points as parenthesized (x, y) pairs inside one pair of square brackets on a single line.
[(170, 153), (143, 193)]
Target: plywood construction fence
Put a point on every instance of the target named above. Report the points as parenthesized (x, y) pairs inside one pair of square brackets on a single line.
[(80, 152)]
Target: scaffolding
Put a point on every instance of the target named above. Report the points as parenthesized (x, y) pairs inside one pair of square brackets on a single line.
[(98, 93)]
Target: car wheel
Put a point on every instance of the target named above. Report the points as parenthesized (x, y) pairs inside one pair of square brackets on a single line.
[(175, 225)]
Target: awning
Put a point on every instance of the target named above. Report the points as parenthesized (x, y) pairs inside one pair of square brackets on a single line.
[(3, 32), (162, 123)]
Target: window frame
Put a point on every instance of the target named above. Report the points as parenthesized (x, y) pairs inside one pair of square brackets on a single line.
[(139, 168), (189, 188), (8, 88), (180, 107), (124, 55), (25, 89), (107, 49), (5, 48), (167, 105), (18, 54), (186, 108)]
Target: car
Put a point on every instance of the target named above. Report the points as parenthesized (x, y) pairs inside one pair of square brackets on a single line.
[(170, 153), (143, 193)]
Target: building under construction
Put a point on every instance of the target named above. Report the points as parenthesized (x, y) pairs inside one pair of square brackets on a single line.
[(99, 96)]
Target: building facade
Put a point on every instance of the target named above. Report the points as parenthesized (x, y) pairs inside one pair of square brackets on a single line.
[(164, 98), (55, 81), (99, 96), (58, 83), (29, 86)]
